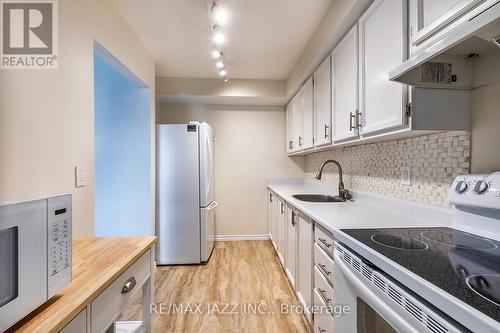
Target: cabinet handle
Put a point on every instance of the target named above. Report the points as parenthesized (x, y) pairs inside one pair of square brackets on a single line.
[(352, 117), (293, 218), (300, 141), (325, 297), (325, 271), (327, 131), (270, 197), (129, 285), (325, 243), (282, 209), (358, 119)]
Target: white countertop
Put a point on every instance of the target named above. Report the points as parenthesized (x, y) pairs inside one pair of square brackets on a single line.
[(364, 211)]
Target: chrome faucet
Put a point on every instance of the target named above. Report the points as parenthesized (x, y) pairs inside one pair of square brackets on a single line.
[(343, 192)]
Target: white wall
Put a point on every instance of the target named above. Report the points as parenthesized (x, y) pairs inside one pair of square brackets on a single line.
[(46, 116), (249, 149)]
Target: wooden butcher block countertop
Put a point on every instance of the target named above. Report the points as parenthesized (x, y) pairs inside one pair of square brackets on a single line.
[(97, 262)]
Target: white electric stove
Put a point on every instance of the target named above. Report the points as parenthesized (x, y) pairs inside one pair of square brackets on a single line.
[(434, 280)]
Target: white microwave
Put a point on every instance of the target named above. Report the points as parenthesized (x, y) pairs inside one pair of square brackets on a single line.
[(35, 255)]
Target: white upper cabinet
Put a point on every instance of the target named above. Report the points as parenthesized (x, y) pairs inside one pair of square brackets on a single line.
[(322, 104), (345, 87), (296, 123), (382, 46), (289, 128), (429, 17), (307, 110)]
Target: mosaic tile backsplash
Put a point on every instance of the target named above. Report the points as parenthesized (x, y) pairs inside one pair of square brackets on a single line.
[(434, 161)]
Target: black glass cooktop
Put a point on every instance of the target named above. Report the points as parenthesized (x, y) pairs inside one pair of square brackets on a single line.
[(464, 265)]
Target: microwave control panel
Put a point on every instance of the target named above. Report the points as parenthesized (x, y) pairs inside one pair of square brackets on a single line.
[(59, 257)]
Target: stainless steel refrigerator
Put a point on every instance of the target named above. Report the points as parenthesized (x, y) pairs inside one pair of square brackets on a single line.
[(185, 200)]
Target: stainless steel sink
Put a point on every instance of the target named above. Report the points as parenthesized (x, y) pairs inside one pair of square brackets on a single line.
[(318, 198)]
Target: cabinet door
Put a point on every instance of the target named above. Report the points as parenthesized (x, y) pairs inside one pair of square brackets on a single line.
[(291, 245), (289, 127), (77, 324), (281, 232), (345, 87), (297, 123), (305, 265), (307, 110), (276, 213), (272, 236), (382, 47), (427, 17), (322, 104)]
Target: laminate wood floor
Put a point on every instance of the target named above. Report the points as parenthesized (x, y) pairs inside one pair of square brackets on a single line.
[(241, 289)]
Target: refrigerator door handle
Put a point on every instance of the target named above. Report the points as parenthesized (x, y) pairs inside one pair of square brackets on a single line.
[(212, 205)]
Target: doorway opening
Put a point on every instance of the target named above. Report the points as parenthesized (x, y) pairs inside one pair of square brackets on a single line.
[(122, 129)]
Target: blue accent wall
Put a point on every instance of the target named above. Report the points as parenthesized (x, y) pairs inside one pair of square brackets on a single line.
[(122, 111)]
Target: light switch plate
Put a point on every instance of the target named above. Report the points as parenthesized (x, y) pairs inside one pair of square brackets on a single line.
[(405, 176), (80, 176)]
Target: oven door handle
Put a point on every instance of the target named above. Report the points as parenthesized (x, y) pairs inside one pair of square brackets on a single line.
[(375, 302)]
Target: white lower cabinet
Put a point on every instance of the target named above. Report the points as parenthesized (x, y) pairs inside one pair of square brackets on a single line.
[(281, 231), (304, 281), (101, 314), (292, 229), (305, 252), (323, 321), (77, 324), (109, 304), (271, 218), (324, 283)]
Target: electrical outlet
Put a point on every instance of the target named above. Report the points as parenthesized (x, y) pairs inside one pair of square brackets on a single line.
[(405, 176)]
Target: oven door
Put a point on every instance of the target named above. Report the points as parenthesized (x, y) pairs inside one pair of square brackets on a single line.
[(23, 260), (377, 304)]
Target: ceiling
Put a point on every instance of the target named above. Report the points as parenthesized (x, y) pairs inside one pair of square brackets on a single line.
[(265, 38)]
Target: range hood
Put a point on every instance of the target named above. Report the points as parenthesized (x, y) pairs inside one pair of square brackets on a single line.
[(478, 34)]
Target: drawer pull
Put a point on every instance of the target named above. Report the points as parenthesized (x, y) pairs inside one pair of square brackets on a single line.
[(325, 243), (320, 330), (129, 285), (325, 271), (325, 297)]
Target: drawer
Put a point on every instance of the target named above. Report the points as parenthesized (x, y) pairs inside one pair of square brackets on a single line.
[(108, 305), (324, 239), (323, 321), (324, 263), (323, 287), (77, 324)]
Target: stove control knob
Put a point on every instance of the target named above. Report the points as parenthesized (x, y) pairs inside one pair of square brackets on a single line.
[(461, 187), (481, 187)]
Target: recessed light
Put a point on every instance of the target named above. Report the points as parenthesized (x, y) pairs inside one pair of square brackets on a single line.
[(222, 72), (219, 64), (226, 79), (220, 15), (216, 54), (219, 38)]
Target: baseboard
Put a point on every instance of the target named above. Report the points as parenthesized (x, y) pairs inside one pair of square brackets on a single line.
[(224, 238)]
